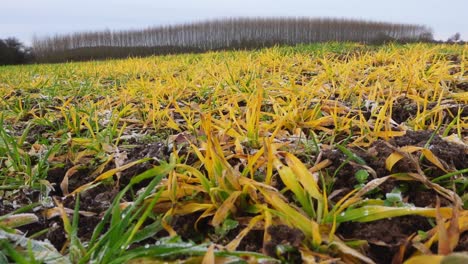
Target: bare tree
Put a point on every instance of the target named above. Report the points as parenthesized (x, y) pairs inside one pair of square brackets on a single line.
[(231, 33)]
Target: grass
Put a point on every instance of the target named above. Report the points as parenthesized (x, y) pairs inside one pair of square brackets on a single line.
[(245, 140)]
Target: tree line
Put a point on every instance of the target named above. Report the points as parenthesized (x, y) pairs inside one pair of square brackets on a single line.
[(230, 33)]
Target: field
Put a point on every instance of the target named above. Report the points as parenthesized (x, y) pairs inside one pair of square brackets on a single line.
[(317, 153)]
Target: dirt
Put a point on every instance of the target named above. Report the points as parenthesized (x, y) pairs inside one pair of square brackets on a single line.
[(403, 108), (55, 231), (343, 179), (422, 197), (185, 227), (284, 242), (453, 155), (53, 226), (462, 86), (384, 236), (155, 150), (462, 243), (95, 200)]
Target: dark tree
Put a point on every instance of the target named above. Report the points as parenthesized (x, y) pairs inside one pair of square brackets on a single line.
[(12, 51), (455, 38)]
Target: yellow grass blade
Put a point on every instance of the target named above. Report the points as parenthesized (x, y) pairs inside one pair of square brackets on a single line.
[(236, 241), (189, 208), (290, 179), (305, 177), (227, 206), (432, 158), (426, 259), (396, 156), (18, 220), (70, 172), (107, 175), (293, 216), (346, 250), (209, 257)]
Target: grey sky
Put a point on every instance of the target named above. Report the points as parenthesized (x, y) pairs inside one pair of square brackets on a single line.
[(24, 18)]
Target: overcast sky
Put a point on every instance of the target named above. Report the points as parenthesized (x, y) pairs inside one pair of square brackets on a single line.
[(24, 18)]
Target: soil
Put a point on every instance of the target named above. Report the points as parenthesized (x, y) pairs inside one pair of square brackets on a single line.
[(55, 232), (284, 236), (462, 86), (404, 108), (424, 197), (384, 236), (185, 227), (95, 200), (453, 155), (281, 236), (462, 243), (253, 241), (155, 150)]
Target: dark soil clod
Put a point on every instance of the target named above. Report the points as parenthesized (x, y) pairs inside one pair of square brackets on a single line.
[(384, 236), (282, 235)]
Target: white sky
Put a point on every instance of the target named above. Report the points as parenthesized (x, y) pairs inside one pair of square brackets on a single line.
[(24, 18)]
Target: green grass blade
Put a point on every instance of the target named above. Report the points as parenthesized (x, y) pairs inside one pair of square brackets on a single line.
[(375, 212)]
